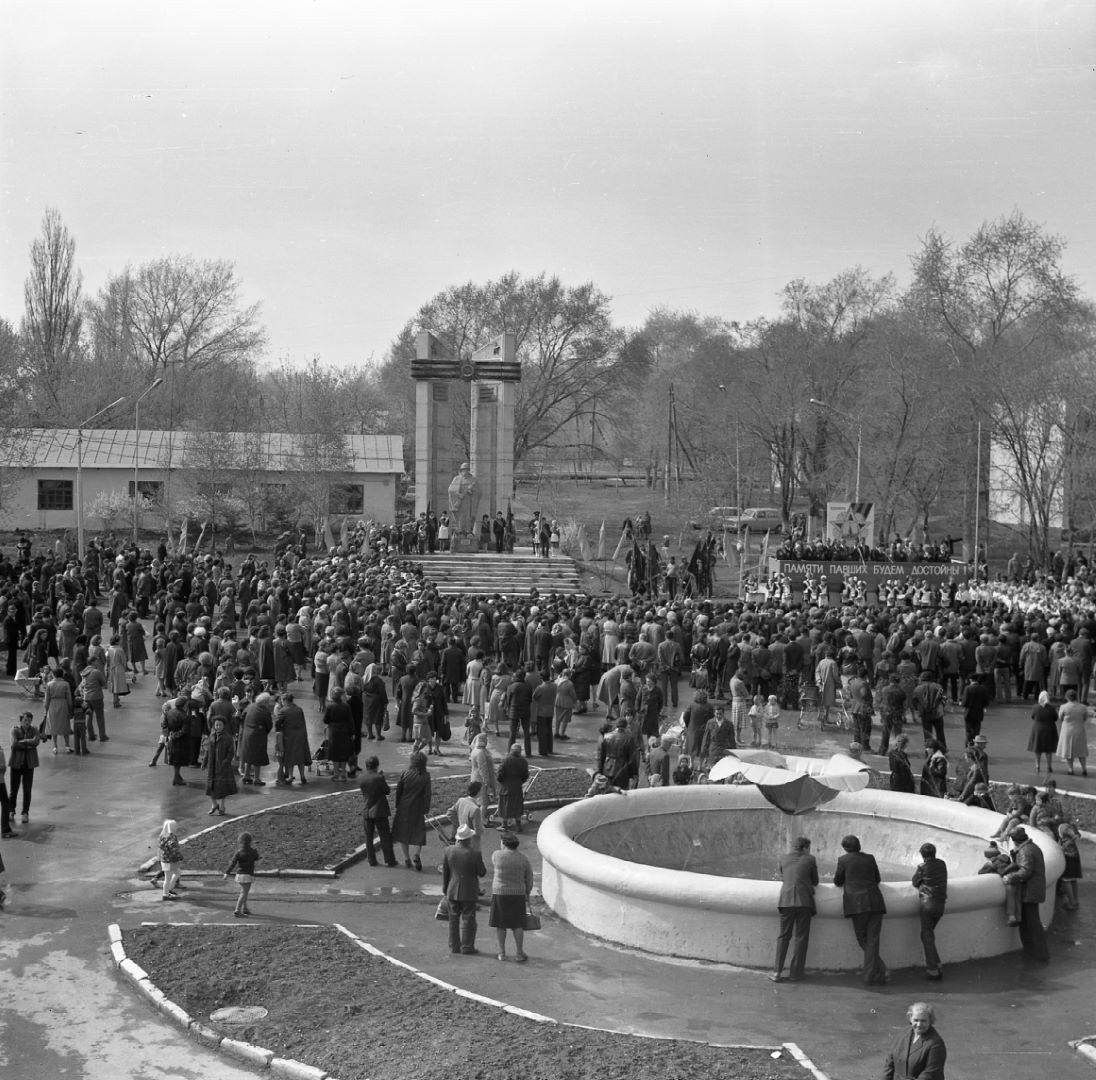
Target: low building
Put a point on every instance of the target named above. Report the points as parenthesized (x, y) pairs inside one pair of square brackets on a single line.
[(41, 470)]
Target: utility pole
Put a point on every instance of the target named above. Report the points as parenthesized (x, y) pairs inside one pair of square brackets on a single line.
[(669, 445)]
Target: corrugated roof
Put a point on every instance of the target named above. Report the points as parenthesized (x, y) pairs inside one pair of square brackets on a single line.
[(113, 448)]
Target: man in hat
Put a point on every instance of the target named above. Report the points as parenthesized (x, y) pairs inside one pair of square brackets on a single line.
[(93, 685), (1031, 877), (462, 867)]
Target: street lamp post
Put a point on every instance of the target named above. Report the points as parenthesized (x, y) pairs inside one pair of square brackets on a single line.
[(137, 451), (80, 474), (859, 437)]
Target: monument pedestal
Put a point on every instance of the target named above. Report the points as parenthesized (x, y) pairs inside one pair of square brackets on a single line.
[(463, 544)]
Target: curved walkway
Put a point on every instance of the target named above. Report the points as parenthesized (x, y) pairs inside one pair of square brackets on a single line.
[(71, 872)]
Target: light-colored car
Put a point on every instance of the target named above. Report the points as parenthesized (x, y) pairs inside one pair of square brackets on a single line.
[(759, 519)]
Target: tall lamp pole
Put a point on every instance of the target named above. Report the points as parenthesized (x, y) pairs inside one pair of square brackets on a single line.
[(80, 474), (137, 451)]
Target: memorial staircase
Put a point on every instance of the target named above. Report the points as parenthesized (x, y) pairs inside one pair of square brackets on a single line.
[(507, 575)]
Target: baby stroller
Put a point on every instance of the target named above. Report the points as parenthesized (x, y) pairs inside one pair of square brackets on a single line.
[(30, 685), (321, 759)]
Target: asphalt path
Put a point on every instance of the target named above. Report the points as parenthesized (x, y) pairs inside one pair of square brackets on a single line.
[(72, 871)]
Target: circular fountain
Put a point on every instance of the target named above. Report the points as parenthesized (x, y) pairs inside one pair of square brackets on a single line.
[(688, 871)]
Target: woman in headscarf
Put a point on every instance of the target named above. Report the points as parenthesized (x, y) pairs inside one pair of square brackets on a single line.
[(1043, 740), (220, 771), (482, 768), (512, 775), (59, 709), (374, 702)]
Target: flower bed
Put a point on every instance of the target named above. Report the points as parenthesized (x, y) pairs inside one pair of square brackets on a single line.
[(333, 1005)]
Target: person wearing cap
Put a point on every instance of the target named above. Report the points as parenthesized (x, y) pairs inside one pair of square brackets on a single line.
[(975, 700), (462, 867), (1030, 875)]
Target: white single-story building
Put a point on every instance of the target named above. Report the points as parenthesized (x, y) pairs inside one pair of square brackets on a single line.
[(41, 469)]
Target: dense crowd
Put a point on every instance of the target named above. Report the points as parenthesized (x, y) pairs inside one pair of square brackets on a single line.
[(387, 656)]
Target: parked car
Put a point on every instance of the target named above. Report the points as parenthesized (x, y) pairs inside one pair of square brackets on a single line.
[(759, 519), (717, 518)]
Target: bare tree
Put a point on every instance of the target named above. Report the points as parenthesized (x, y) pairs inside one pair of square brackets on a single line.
[(52, 319), (186, 312), (990, 302)]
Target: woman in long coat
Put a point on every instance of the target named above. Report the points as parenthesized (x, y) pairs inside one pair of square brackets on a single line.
[(827, 677), (59, 709), (135, 644), (374, 702), (1043, 740), (292, 735), (254, 736), (473, 685), (220, 772), (339, 725), (482, 769), (285, 671), (412, 806), (117, 677), (512, 774), (1072, 741)]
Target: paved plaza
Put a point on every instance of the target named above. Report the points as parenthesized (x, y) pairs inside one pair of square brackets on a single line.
[(71, 872)]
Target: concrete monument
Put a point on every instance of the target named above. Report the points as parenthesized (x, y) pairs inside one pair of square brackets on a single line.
[(492, 374)]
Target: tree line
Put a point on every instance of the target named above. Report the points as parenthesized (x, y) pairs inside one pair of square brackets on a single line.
[(987, 354)]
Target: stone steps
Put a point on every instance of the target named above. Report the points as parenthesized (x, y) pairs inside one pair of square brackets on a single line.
[(493, 573)]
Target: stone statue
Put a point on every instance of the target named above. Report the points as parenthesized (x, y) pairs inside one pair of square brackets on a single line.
[(464, 500)]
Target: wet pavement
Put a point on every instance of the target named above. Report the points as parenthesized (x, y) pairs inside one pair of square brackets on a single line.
[(64, 1012)]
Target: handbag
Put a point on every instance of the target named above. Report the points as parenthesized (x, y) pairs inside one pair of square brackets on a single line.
[(532, 921), (442, 913)]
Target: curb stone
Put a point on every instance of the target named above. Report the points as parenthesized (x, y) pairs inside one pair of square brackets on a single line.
[(244, 1051), (295, 1070), (262, 1058), (258, 1056)]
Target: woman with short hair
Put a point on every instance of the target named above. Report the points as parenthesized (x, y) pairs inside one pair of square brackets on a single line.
[(510, 888)]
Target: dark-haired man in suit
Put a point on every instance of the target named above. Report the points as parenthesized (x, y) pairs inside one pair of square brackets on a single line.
[(858, 875), (798, 876)]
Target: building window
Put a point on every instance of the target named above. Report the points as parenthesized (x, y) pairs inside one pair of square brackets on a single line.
[(152, 491), (347, 499), (55, 495)]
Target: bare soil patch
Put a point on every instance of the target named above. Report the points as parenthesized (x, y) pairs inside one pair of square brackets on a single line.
[(335, 1006)]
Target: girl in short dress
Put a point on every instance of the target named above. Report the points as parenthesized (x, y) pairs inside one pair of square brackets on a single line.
[(1067, 839), (243, 862)]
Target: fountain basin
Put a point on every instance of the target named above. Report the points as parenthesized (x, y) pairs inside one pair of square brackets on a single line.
[(649, 870)]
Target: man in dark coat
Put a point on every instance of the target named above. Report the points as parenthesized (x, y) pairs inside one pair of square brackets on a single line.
[(462, 867), (799, 877), (858, 874), (1031, 875), (919, 1052), (975, 700), (930, 879), (453, 664), (376, 812)]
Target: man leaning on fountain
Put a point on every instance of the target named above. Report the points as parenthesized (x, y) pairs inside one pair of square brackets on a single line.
[(798, 876)]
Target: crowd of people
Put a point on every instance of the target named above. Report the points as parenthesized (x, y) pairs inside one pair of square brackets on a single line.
[(799, 549), (387, 657)]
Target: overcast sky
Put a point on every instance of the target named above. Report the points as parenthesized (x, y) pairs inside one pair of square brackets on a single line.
[(353, 159)]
